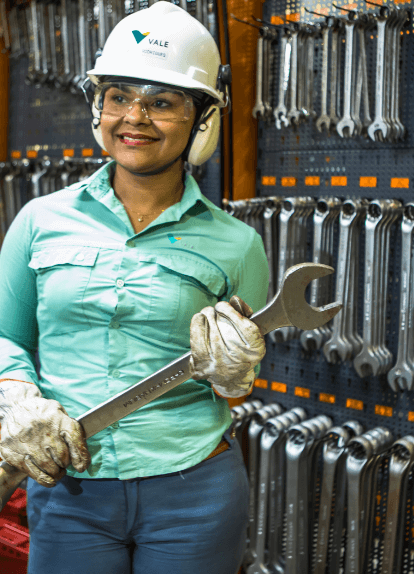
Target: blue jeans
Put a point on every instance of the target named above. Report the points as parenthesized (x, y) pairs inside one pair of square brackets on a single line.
[(188, 522)]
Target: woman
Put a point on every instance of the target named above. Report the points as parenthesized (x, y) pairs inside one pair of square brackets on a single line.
[(111, 279)]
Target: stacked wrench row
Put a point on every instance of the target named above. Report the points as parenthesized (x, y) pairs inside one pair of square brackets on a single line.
[(355, 107), (61, 37), (24, 179), (313, 493), (283, 224)]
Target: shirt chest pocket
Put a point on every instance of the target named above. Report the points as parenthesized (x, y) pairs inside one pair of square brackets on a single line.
[(63, 274), (178, 288)]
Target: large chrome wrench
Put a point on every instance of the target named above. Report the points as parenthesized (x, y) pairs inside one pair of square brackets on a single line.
[(287, 308)]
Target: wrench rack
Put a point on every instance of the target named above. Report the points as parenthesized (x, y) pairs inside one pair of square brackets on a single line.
[(299, 162)]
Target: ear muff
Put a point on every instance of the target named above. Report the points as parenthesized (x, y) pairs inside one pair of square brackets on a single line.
[(97, 132), (206, 139)]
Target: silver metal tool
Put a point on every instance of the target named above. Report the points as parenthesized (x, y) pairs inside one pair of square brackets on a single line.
[(346, 125), (324, 121), (280, 113), (259, 110), (288, 307)]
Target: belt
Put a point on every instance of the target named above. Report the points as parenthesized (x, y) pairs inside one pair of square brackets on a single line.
[(221, 447)]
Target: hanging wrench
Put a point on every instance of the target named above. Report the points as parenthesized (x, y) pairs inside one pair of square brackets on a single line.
[(294, 114), (284, 69), (259, 110), (324, 120), (347, 123)]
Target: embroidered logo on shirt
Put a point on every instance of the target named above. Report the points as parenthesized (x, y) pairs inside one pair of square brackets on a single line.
[(172, 238)]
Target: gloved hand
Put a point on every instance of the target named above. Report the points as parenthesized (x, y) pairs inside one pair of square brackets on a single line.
[(225, 347), (37, 435)]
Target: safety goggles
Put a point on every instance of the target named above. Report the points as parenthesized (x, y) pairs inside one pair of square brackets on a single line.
[(157, 102)]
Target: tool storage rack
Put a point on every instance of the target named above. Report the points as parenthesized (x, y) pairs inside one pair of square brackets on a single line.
[(290, 375)]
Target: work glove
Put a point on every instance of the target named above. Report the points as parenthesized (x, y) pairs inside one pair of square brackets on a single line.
[(225, 347), (37, 435)]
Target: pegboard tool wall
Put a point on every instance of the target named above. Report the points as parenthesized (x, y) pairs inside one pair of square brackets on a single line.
[(297, 153)]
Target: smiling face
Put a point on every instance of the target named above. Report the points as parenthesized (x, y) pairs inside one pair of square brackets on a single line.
[(123, 120)]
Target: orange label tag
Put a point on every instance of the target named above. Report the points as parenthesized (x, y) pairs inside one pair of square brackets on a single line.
[(325, 398), (68, 153), (383, 411), (312, 180), (15, 154), (32, 153), (277, 20), (289, 181), (260, 383), (348, 7), (293, 17), (411, 416), (87, 152), (268, 180), (302, 392), (105, 153), (279, 387), (401, 182), (354, 404), (367, 182), (339, 181)]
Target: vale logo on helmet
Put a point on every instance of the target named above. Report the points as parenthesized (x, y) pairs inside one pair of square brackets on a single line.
[(139, 37)]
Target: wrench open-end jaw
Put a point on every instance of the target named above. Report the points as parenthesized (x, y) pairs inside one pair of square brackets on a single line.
[(289, 307)]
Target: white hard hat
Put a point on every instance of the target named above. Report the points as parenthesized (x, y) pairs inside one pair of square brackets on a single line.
[(165, 44)]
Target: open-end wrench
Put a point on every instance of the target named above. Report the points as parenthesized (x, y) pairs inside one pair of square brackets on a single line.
[(259, 110), (396, 69), (256, 427), (324, 120), (301, 445), (334, 450), (378, 130), (346, 125), (273, 432), (280, 112), (341, 346), (276, 507), (363, 455), (400, 464), (374, 357), (402, 374), (293, 113), (324, 217), (270, 236), (335, 75), (361, 88), (288, 307)]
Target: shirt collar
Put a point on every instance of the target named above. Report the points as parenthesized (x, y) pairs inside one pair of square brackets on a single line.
[(99, 186)]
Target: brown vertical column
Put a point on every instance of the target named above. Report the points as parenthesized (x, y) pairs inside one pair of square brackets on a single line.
[(4, 100), (243, 42)]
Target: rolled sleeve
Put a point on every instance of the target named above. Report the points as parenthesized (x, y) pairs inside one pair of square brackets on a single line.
[(18, 302)]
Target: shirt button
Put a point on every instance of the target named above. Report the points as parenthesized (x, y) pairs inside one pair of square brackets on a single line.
[(114, 324), (115, 374), (80, 257), (131, 243), (120, 283), (115, 425)]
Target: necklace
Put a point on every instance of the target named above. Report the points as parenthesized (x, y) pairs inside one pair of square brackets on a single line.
[(142, 216)]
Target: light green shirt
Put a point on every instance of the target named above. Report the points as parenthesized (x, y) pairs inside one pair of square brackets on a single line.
[(106, 307)]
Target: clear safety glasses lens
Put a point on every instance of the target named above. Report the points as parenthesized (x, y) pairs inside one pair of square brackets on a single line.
[(156, 102)]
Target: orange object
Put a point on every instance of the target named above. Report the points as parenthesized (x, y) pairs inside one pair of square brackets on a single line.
[(326, 398), (279, 387), (289, 181), (268, 180), (261, 383), (293, 17), (312, 180), (339, 181), (354, 404), (105, 153), (277, 20), (383, 410), (16, 154), (87, 152), (367, 182), (302, 392), (411, 416), (401, 182), (31, 154), (68, 153)]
